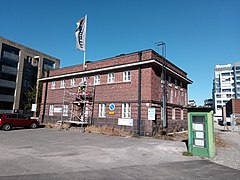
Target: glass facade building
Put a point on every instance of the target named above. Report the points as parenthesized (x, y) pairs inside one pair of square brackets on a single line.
[(20, 67)]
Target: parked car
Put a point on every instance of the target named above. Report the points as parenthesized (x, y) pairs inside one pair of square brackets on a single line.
[(9, 120)]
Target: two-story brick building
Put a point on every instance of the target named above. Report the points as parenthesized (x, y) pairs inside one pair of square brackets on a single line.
[(120, 92)]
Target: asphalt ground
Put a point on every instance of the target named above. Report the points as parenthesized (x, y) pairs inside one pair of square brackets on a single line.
[(52, 154)]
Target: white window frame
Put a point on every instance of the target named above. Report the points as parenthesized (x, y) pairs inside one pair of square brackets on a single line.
[(84, 79), (182, 114), (65, 110), (101, 110), (53, 85), (171, 96), (126, 110), (170, 81), (62, 85), (72, 82), (111, 77), (173, 113), (127, 76), (176, 83), (97, 79), (162, 112), (51, 110)]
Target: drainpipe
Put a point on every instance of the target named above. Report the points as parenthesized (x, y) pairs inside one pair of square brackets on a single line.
[(139, 94), (45, 99)]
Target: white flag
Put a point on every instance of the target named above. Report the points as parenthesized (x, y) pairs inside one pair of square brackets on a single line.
[(81, 34)]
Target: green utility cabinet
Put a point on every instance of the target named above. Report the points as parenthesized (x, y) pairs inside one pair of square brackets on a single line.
[(201, 132)]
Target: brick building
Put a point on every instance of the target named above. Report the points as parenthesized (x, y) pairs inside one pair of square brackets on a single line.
[(118, 92), (233, 109)]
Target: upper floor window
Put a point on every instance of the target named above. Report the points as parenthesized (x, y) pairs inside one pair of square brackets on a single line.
[(53, 85), (176, 82), (126, 110), (126, 76), (84, 79), (62, 85), (96, 79), (181, 84), (73, 82), (169, 80), (110, 77)]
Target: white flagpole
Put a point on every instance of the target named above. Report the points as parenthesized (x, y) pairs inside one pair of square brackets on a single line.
[(84, 54)]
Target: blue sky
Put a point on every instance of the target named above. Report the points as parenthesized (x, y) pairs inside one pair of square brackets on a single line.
[(198, 33)]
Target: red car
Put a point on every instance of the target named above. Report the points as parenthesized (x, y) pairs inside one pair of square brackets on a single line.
[(9, 120)]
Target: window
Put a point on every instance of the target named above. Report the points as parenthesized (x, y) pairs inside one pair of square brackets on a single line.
[(53, 85), (162, 112), (225, 74), (126, 76), (65, 110), (173, 113), (171, 96), (26, 83), (102, 110), (176, 82), (181, 114), (169, 80), (62, 85), (72, 82), (51, 109), (96, 79), (84, 79), (126, 110), (110, 77)]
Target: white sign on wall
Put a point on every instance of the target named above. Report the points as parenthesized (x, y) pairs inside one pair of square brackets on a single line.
[(125, 122), (58, 110), (151, 114), (34, 107)]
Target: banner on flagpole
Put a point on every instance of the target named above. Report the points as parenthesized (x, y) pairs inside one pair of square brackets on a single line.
[(81, 34)]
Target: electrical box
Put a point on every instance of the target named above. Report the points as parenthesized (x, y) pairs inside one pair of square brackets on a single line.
[(201, 132)]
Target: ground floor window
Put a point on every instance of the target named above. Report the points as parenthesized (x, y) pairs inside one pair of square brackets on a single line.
[(173, 113), (65, 110), (102, 110), (182, 114), (126, 110), (51, 109)]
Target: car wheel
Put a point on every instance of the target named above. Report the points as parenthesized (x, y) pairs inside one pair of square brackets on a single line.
[(6, 127), (34, 125)]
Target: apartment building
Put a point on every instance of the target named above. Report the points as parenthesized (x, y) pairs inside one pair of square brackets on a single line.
[(226, 85), (124, 92), (20, 67)]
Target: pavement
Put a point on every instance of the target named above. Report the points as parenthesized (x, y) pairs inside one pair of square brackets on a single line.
[(52, 154)]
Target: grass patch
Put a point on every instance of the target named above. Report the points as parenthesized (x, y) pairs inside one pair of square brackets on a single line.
[(106, 130), (58, 126), (186, 153)]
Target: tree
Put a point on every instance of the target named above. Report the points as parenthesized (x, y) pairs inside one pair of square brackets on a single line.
[(31, 98)]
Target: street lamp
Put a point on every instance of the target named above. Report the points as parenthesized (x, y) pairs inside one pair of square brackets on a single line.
[(163, 80)]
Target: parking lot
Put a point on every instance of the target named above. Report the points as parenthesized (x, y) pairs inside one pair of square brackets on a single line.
[(53, 154)]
